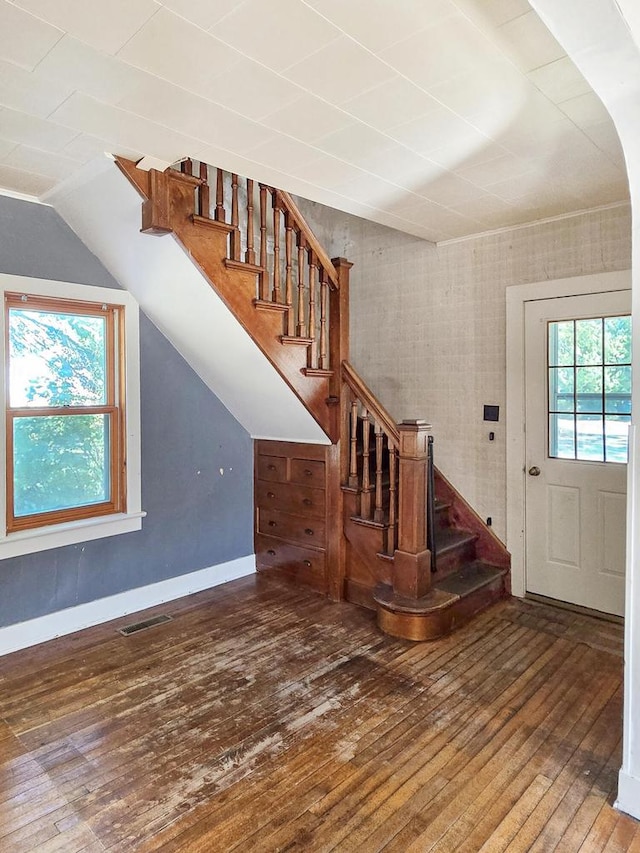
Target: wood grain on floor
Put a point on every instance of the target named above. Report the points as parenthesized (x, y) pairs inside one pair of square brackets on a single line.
[(264, 718)]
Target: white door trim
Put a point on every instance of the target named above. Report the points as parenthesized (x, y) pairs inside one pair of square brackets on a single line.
[(517, 296)]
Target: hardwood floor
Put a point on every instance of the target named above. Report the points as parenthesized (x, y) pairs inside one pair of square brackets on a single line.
[(264, 718)]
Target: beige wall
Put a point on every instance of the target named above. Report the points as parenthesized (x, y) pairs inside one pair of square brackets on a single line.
[(428, 324)]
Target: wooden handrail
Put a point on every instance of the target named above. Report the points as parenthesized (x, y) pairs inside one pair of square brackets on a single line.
[(371, 403), (290, 207)]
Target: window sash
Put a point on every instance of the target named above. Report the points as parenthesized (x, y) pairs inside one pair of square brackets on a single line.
[(114, 410)]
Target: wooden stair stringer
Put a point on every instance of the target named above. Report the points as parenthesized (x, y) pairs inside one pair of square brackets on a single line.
[(462, 515), (206, 246)]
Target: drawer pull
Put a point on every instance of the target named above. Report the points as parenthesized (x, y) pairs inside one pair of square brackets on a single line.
[(271, 467), (309, 531), (307, 501), (273, 524), (271, 494), (271, 552), (308, 473), (307, 563)]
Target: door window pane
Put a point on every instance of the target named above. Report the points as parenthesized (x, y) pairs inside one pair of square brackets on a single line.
[(60, 461), (616, 435), (589, 341), (562, 436), (561, 389), (617, 390), (617, 340), (590, 438), (561, 343), (589, 389)]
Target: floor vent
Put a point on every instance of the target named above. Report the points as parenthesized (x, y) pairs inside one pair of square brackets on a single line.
[(146, 623)]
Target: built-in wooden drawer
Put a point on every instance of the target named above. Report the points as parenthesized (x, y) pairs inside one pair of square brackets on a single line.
[(307, 472), (272, 468), (289, 497), (305, 564), (295, 528)]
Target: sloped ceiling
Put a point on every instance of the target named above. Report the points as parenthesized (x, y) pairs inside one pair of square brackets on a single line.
[(441, 118)]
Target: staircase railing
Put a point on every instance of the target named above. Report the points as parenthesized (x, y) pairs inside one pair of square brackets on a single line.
[(373, 466), (268, 232)]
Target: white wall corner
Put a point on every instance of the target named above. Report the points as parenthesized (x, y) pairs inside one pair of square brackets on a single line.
[(71, 619), (628, 794)]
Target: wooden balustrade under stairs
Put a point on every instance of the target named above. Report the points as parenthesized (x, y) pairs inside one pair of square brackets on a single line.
[(367, 541)]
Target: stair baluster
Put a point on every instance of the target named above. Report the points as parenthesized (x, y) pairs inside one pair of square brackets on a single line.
[(265, 288), (301, 329), (353, 456), (324, 360), (277, 295), (392, 539), (313, 272), (378, 515), (250, 254), (288, 249), (235, 220), (220, 214), (204, 200)]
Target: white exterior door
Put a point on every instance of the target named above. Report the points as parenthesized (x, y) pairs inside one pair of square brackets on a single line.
[(578, 406)]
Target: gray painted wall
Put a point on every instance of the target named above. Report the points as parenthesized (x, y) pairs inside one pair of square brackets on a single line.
[(196, 515)]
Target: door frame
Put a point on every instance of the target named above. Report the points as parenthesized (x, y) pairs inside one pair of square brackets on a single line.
[(517, 297)]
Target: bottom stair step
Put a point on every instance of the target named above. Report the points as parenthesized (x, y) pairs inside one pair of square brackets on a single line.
[(470, 578), (448, 605)]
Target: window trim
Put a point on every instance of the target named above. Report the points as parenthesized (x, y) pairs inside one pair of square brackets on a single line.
[(79, 530)]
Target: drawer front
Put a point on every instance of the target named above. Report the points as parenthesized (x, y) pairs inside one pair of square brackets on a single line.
[(296, 528), (307, 472), (305, 564), (272, 468), (289, 497)]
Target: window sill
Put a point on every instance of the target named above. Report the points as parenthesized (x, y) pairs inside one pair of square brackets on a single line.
[(69, 533)]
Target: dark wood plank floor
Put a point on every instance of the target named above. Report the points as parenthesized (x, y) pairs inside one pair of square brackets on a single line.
[(264, 718)]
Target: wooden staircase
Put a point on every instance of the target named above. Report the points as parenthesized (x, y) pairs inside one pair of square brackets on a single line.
[(365, 518)]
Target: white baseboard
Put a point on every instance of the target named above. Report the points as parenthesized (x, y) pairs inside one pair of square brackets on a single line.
[(34, 631), (628, 794)]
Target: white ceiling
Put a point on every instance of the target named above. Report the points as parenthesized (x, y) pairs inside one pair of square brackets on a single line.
[(438, 117)]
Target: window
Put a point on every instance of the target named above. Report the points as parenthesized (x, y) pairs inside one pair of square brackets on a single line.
[(71, 393), (590, 389), (65, 410)]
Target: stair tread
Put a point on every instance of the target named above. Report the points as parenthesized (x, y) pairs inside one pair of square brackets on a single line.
[(319, 372), (369, 522), (215, 224), (295, 340), (267, 305), (449, 538), (469, 578), (243, 265)]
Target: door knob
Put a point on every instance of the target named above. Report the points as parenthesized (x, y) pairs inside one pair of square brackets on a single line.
[(534, 471)]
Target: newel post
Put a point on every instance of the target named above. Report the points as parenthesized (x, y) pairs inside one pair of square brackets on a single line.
[(412, 560), (338, 452), (339, 315)]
